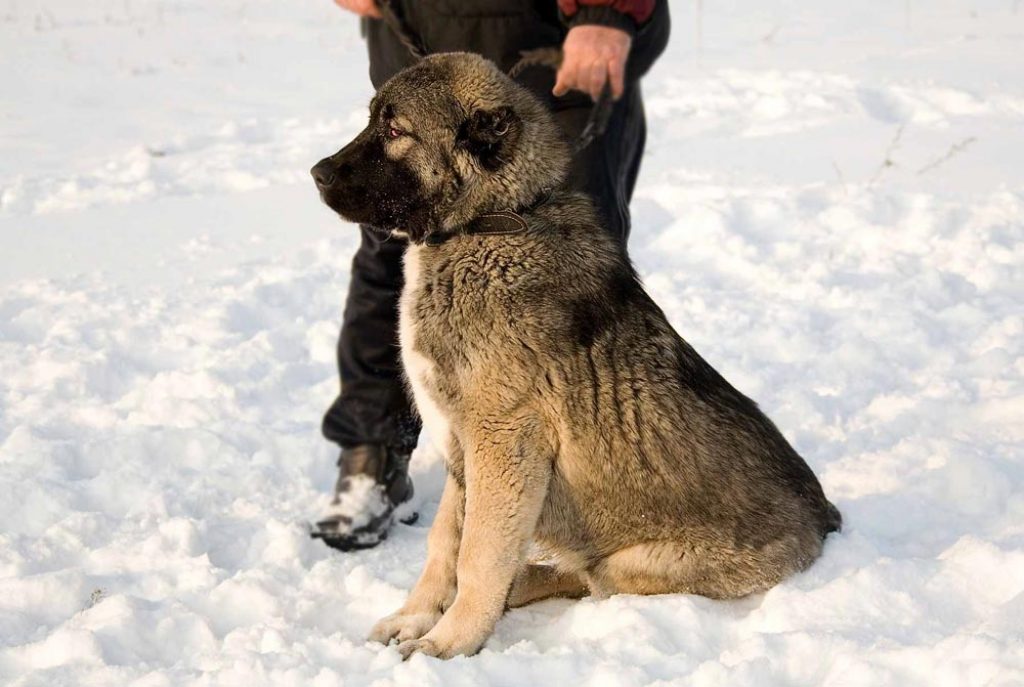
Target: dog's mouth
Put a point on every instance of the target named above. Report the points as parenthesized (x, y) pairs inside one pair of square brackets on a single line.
[(345, 202), (342, 189), (381, 194), (352, 205)]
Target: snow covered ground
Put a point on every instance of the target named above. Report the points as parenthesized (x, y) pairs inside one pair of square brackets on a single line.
[(831, 211)]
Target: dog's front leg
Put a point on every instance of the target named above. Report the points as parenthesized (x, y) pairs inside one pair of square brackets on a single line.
[(435, 589), (507, 474)]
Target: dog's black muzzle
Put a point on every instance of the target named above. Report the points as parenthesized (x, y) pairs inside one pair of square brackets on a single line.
[(362, 185), (342, 180)]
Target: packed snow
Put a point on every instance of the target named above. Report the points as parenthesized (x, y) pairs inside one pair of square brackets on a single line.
[(831, 211)]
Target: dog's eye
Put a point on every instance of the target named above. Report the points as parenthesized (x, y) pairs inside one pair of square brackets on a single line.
[(395, 133)]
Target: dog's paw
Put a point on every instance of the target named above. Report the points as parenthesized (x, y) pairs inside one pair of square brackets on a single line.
[(403, 627), (443, 644), (419, 646)]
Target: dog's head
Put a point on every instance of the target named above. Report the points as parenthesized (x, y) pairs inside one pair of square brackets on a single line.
[(449, 138)]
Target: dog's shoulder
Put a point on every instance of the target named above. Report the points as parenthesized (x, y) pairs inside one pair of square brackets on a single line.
[(562, 280)]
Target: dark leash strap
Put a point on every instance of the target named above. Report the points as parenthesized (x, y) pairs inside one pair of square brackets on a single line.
[(401, 29), (597, 121), (600, 113)]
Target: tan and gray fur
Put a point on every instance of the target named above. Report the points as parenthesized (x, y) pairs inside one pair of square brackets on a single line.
[(572, 416)]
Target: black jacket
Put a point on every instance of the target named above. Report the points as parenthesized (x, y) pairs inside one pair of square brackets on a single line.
[(500, 30)]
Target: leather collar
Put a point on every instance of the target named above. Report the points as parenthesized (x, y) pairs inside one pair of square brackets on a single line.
[(498, 223), (488, 224)]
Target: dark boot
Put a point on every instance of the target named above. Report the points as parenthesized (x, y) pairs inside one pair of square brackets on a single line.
[(373, 481)]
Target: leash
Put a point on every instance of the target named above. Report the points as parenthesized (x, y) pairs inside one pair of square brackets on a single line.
[(401, 29), (600, 113), (597, 121)]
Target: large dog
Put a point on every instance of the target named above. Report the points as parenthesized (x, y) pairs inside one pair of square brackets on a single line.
[(572, 415)]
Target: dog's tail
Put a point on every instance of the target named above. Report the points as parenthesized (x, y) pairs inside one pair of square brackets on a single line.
[(833, 519)]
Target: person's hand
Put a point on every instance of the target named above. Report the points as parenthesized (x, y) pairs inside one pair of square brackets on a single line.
[(364, 8), (591, 55)]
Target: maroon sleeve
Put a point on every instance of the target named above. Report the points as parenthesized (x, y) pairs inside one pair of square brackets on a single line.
[(638, 10)]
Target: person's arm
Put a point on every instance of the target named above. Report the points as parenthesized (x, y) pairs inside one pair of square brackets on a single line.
[(364, 8), (597, 45)]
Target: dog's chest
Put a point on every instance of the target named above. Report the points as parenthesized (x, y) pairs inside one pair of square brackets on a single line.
[(420, 369)]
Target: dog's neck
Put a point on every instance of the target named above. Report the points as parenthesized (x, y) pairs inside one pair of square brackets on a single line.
[(491, 223)]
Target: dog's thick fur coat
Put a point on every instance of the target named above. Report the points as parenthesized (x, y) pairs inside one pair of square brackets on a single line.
[(572, 415)]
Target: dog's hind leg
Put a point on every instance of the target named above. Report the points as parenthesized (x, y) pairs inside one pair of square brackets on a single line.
[(718, 573), (535, 582)]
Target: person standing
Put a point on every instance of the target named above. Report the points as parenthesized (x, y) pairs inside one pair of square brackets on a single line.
[(602, 41)]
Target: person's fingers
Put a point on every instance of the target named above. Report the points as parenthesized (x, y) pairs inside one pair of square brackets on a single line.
[(364, 8), (566, 78), (617, 71), (369, 9), (560, 89), (594, 57), (597, 74)]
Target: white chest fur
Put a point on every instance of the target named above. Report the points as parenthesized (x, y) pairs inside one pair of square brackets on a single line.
[(418, 368)]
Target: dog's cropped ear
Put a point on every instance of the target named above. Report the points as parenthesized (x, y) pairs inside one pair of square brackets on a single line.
[(491, 135)]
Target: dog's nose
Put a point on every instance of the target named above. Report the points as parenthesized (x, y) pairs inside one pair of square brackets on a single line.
[(323, 173)]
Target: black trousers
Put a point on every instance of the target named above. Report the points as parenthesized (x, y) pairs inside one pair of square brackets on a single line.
[(373, 405)]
